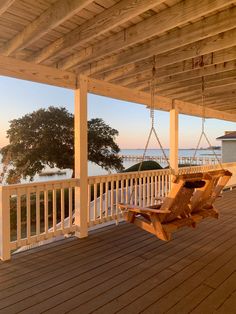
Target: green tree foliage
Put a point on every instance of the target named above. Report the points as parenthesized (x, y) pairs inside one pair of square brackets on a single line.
[(46, 137)]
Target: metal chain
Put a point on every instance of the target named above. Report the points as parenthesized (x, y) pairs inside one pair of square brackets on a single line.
[(152, 130), (203, 133)]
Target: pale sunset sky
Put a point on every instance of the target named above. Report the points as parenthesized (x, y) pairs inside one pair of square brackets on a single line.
[(19, 97)]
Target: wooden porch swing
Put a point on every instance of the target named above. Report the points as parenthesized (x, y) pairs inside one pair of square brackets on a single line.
[(191, 198)]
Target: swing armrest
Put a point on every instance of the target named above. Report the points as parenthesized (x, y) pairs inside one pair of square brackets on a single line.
[(143, 210)]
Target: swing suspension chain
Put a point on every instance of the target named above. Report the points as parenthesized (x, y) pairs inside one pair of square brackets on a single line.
[(203, 133), (152, 130)]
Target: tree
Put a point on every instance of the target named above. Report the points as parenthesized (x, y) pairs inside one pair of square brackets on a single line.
[(46, 137)]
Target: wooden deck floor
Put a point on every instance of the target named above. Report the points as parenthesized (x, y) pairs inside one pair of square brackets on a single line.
[(123, 269)]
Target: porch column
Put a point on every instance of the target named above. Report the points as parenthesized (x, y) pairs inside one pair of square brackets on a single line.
[(81, 158), (174, 139)]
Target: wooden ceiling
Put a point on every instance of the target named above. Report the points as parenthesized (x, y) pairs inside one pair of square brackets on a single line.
[(115, 41)]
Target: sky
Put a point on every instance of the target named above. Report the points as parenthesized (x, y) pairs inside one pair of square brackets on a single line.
[(18, 97)]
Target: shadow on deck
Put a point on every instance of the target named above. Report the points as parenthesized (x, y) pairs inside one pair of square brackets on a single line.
[(126, 270)]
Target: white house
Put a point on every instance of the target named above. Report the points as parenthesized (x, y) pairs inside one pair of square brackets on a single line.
[(228, 146)]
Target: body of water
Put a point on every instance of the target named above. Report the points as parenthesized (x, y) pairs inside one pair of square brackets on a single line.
[(95, 170)]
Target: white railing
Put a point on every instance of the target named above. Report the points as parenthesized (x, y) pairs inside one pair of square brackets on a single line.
[(31, 213), (105, 192), (35, 212), (144, 188), (198, 160)]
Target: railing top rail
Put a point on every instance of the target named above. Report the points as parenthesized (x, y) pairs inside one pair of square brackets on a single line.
[(207, 167), (128, 175), (42, 183)]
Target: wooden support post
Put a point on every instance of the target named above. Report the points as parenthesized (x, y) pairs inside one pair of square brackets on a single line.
[(174, 139), (5, 251), (81, 158)]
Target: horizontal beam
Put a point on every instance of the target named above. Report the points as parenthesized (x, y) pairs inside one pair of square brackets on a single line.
[(217, 57), (110, 18), (185, 75), (36, 73), (206, 39), (56, 14), (161, 103), (161, 22), (210, 81), (4, 5)]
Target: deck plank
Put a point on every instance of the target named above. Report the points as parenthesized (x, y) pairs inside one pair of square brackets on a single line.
[(124, 269)]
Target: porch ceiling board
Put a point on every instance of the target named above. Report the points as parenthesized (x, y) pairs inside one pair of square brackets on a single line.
[(104, 22), (112, 42), (4, 5), (199, 62), (56, 14), (205, 36), (166, 20)]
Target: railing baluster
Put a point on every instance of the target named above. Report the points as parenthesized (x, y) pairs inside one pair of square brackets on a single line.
[(117, 196), (106, 199), (54, 209), (127, 189), (140, 191), (148, 191), (70, 207), (18, 227), (162, 185), (46, 212), (101, 199), (28, 214), (152, 190), (112, 198), (144, 191), (37, 212), (62, 208), (136, 191), (89, 203), (95, 201)]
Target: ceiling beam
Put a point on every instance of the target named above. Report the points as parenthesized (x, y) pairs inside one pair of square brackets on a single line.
[(161, 102), (56, 14), (4, 5), (184, 75), (220, 56), (163, 21), (195, 39), (110, 18), (36, 73), (218, 79), (225, 94), (215, 88)]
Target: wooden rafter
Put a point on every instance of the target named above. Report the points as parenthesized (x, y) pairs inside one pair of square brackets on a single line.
[(130, 70), (217, 79), (51, 18), (213, 89), (100, 24), (182, 73), (4, 5), (166, 20), (206, 39)]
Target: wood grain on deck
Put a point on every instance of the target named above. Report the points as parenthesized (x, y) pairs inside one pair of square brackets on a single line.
[(124, 269)]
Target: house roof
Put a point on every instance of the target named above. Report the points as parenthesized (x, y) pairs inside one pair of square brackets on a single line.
[(228, 136)]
